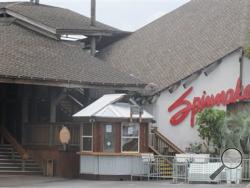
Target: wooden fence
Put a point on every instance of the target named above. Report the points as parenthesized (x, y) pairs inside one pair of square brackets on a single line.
[(48, 134)]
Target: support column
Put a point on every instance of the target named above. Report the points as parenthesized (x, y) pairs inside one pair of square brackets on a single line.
[(25, 113), (53, 105)]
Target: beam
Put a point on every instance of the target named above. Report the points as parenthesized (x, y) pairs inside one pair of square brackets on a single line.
[(71, 85), (37, 29), (174, 87), (85, 32), (30, 21), (209, 69), (191, 78)]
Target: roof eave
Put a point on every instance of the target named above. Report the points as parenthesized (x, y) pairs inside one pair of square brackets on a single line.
[(69, 83)]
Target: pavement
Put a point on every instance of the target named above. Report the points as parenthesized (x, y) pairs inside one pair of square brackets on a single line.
[(40, 181)]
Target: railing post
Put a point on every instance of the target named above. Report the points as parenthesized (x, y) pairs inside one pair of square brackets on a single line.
[(12, 153), (23, 165)]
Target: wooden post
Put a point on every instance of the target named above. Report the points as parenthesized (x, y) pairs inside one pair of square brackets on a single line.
[(93, 46), (81, 138), (53, 105), (25, 112)]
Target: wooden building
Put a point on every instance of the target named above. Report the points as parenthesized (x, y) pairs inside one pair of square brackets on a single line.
[(44, 80), (112, 138)]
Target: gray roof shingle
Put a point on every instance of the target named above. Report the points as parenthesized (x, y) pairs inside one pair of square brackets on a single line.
[(182, 42), (54, 17), (27, 54)]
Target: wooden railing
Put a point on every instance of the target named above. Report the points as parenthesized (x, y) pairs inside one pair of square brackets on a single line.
[(160, 145), (12, 141), (48, 134)]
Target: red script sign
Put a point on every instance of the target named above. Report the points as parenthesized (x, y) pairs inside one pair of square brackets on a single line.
[(200, 103)]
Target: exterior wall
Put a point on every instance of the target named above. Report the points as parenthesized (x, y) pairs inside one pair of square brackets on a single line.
[(66, 164), (98, 137), (222, 78), (111, 165)]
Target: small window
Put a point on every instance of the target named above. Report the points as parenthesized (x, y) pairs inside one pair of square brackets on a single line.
[(108, 138), (87, 138), (130, 137)]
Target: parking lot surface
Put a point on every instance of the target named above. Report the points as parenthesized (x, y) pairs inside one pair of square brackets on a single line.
[(39, 181)]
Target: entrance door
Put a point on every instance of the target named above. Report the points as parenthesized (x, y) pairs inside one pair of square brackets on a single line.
[(109, 138)]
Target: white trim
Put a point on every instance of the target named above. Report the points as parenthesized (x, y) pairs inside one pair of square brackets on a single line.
[(92, 139), (133, 137)]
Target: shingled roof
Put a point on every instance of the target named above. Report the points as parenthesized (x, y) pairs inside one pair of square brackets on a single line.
[(182, 42), (25, 54), (59, 19)]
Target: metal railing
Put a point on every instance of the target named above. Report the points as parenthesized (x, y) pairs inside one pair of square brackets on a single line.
[(160, 145), (191, 169)]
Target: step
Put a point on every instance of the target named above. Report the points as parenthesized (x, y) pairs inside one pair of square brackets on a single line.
[(16, 160), (18, 164), (6, 172), (10, 157), (5, 145), (8, 152), (6, 149)]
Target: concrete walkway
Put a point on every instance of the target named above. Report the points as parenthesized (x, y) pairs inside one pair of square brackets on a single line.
[(38, 181)]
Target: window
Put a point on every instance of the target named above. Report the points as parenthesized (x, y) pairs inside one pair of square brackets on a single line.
[(87, 137), (108, 144), (130, 137)]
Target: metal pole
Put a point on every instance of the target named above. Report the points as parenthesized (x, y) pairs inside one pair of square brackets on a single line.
[(93, 23), (93, 12)]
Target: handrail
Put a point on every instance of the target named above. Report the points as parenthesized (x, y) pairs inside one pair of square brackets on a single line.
[(9, 138), (167, 141)]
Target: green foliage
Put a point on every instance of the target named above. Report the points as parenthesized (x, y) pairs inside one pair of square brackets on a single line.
[(247, 52), (237, 131), (223, 131), (210, 125), (247, 45), (194, 148)]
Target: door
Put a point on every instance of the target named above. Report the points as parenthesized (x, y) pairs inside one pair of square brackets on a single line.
[(109, 138)]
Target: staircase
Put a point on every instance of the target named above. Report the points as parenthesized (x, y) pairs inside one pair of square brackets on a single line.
[(166, 150), (160, 145), (14, 159), (12, 163)]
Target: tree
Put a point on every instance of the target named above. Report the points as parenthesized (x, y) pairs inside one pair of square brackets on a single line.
[(210, 126)]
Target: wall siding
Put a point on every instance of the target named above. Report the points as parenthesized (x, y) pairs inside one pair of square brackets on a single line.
[(223, 77)]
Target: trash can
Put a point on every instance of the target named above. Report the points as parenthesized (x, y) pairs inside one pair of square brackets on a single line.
[(50, 167)]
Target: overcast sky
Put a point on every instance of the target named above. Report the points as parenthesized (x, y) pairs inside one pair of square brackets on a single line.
[(127, 15)]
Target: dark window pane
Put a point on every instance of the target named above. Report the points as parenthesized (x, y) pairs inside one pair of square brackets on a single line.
[(130, 130), (87, 144), (87, 130), (130, 144)]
